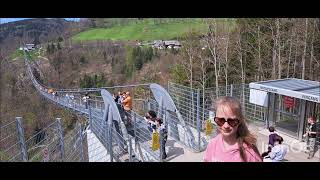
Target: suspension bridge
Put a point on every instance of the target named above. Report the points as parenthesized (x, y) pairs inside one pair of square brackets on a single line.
[(111, 134)]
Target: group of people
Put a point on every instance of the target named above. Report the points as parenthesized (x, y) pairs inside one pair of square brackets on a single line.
[(156, 124), (276, 149), (124, 100)]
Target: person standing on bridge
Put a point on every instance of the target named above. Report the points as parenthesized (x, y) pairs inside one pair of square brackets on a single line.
[(150, 118), (127, 105), (235, 143), (85, 99), (312, 136), (117, 97), (164, 136)]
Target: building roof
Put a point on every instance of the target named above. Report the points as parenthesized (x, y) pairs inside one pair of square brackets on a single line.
[(298, 88), (176, 43)]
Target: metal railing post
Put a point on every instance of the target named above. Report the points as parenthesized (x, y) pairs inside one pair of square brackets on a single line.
[(133, 115), (148, 105), (90, 115), (130, 148), (81, 143), (231, 90), (110, 142), (109, 125), (60, 133), (22, 143), (161, 146), (198, 118)]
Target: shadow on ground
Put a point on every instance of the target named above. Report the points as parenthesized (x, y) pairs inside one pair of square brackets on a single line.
[(173, 151)]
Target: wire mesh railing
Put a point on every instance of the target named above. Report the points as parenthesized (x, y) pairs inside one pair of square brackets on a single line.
[(184, 97), (9, 142), (197, 105), (46, 145), (142, 133)]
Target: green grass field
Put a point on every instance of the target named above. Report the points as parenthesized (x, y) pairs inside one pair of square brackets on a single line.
[(145, 30), (16, 53), (31, 54)]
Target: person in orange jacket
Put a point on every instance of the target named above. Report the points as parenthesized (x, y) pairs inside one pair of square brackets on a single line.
[(127, 102), (127, 105)]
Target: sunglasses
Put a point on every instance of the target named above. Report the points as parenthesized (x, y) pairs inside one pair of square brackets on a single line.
[(231, 122)]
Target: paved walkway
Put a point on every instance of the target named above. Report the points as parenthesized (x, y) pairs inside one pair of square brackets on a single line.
[(178, 153)]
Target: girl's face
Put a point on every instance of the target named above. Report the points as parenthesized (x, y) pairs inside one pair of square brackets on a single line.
[(226, 130)]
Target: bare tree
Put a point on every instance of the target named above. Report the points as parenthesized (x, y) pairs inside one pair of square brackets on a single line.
[(239, 47), (211, 40), (279, 48), (274, 50), (290, 48), (304, 50), (311, 72), (203, 66)]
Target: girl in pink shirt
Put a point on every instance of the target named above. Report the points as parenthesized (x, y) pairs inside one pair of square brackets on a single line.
[(234, 143)]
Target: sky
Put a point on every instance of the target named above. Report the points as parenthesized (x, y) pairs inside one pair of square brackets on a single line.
[(6, 20)]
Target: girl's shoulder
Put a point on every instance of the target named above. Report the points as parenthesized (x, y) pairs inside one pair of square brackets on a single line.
[(214, 141), (252, 152)]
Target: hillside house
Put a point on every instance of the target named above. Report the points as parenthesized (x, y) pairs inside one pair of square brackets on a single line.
[(30, 46), (160, 44)]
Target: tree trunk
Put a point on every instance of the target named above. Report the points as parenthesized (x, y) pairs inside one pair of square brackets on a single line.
[(289, 58), (259, 57), (212, 48), (295, 59), (304, 51), (311, 53), (274, 54), (226, 60), (279, 48), (241, 61)]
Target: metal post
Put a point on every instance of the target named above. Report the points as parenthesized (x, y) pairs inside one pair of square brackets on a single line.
[(110, 142), (22, 144), (90, 116), (302, 110), (81, 143), (130, 148), (60, 133), (231, 90), (133, 115), (160, 135), (198, 118), (149, 105), (271, 110), (166, 119), (110, 124), (160, 106)]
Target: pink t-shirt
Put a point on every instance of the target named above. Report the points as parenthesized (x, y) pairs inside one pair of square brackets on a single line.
[(216, 152)]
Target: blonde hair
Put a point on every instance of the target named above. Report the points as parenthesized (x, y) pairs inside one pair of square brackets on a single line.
[(243, 134)]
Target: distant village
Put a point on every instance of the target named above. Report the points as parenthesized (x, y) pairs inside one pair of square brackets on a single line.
[(158, 44), (28, 47), (161, 44)]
